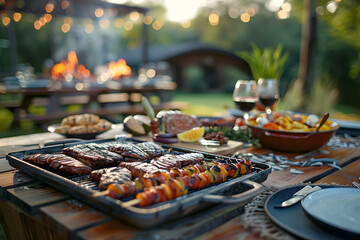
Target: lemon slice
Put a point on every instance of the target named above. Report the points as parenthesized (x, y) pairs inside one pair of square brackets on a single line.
[(191, 135)]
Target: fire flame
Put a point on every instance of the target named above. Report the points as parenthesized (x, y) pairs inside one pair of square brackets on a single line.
[(116, 69), (119, 69), (69, 66)]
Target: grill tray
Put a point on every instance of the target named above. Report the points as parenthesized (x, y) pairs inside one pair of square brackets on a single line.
[(82, 188)]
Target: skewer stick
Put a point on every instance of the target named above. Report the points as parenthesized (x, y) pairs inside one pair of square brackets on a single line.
[(130, 203), (99, 194)]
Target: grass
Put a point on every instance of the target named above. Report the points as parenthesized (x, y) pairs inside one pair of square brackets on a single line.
[(201, 104)]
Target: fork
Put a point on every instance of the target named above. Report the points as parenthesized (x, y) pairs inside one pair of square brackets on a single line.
[(355, 184)]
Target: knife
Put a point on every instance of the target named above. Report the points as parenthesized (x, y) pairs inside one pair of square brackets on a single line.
[(298, 196)]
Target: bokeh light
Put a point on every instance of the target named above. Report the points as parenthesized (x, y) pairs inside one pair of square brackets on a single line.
[(213, 19), (119, 22), (128, 26), (245, 17), (49, 7), (48, 17), (17, 16), (99, 12), (104, 23), (186, 24), (250, 11), (157, 25), (65, 27), (148, 20), (6, 20), (233, 12), (37, 25), (65, 4), (134, 16)]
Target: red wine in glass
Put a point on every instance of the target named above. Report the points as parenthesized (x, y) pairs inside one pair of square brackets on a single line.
[(268, 100), (245, 96), (245, 104)]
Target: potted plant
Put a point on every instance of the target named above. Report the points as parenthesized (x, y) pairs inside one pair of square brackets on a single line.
[(267, 63)]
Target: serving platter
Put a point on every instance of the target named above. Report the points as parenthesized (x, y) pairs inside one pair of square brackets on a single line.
[(235, 190), (86, 136)]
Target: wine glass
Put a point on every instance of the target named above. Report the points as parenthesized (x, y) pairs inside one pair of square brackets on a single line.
[(268, 92), (245, 96)]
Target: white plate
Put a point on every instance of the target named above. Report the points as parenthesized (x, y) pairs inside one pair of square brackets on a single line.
[(337, 208)]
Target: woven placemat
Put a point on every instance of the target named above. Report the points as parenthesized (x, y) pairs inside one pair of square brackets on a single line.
[(255, 218)]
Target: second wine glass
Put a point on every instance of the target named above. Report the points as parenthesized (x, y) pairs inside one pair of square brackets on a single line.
[(268, 92), (245, 96)]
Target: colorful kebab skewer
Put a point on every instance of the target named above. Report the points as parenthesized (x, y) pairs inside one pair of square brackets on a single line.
[(162, 186)]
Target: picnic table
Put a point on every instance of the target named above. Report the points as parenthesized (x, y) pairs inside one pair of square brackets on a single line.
[(105, 100), (31, 209)]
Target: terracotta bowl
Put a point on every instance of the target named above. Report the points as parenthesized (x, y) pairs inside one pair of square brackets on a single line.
[(291, 141)]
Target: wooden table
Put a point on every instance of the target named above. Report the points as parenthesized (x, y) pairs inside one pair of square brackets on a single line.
[(32, 210)]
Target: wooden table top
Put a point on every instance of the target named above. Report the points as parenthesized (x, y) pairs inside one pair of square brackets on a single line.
[(33, 209)]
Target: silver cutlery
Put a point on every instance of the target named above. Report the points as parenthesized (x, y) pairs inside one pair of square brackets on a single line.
[(355, 184), (298, 196)]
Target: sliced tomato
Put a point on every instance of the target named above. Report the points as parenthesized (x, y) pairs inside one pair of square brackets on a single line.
[(160, 177), (207, 177), (203, 181), (151, 195), (185, 180), (131, 188), (183, 172), (161, 194), (199, 168), (155, 193), (194, 181)]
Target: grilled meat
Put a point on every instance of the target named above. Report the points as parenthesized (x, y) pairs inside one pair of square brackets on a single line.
[(96, 174), (118, 175), (152, 149), (170, 161), (93, 155), (73, 151), (59, 162), (139, 169), (129, 150)]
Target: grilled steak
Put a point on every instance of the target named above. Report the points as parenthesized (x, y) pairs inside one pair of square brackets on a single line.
[(152, 149), (170, 161), (93, 155), (59, 162), (129, 150), (139, 169), (73, 151), (96, 174)]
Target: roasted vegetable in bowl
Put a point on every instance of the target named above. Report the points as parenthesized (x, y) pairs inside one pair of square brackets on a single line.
[(291, 132), (286, 121)]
